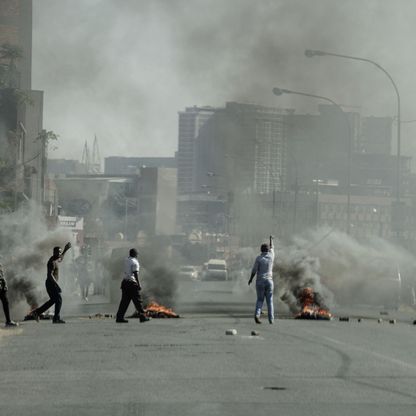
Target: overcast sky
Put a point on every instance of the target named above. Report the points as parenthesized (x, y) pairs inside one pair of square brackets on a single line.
[(122, 69)]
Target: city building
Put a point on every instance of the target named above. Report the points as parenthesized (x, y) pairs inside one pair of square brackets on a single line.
[(375, 137), (119, 165), (16, 30), (191, 122), (120, 206), (225, 151), (64, 167), (23, 143), (157, 201)]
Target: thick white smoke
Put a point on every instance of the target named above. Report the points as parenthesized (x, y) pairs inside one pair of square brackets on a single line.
[(26, 243), (345, 271)]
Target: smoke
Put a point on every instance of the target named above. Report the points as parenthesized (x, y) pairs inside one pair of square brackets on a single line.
[(25, 245), (297, 269), (343, 270), (157, 277), (144, 59)]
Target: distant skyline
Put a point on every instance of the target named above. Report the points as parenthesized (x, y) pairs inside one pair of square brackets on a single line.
[(123, 69)]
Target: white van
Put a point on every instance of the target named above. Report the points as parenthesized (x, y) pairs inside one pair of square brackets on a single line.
[(216, 269)]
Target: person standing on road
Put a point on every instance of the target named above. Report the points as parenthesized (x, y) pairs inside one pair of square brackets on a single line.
[(52, 286), (130, 289), (263, 268), (5, 300)]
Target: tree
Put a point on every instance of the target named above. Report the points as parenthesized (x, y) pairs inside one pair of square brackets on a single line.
[(9, 75)]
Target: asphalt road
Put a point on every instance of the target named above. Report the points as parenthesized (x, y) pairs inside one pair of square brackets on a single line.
[(189, 366)]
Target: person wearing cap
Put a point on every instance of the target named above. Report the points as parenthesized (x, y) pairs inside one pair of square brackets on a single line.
[(52, 286), (130, 289), (263, 268), (4, 299)]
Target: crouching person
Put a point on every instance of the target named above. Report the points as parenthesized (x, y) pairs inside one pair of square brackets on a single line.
[(130, 289)]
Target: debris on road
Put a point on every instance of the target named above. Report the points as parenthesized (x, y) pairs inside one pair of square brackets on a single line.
[(231, 332), (379, 320), (392, 321), (254, 333), (344, 318), (42, 316), (101, 316)]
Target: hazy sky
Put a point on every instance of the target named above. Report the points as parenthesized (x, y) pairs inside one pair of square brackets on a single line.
[(122, 69)]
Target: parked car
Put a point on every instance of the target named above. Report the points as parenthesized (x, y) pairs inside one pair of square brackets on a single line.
[(215, 269), (188, 273)]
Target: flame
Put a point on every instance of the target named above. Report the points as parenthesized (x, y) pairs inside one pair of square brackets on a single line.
[(310, 308), (155, 310)]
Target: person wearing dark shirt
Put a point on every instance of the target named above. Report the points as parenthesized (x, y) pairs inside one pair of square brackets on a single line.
[(4, 299), (52, 286)]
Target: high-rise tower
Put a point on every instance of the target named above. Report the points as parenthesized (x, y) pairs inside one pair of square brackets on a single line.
[(16, 30)]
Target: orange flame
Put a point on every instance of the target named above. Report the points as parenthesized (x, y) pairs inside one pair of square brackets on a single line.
[(310, 309), (155, 310)]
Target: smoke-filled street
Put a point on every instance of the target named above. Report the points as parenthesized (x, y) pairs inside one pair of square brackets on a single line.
[(207, 207), (190, 366)]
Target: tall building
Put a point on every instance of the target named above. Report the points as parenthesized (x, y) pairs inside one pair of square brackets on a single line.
[(23, 144), (120, 165), (376, 135), (191, 121), (242, 148), (16, 30), (318, 146)]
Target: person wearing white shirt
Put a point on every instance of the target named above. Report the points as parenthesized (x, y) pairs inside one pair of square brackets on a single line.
[(130, 289)]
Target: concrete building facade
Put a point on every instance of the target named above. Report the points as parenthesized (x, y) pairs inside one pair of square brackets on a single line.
[(24, 151), (191, 122)]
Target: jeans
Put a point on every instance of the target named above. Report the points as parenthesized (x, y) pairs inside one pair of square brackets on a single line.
[(264, 289)]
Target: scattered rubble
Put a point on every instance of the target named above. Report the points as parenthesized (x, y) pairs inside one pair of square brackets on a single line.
[(231, 332)]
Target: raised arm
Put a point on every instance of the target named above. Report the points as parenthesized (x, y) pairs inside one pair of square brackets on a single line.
[(66, 248)]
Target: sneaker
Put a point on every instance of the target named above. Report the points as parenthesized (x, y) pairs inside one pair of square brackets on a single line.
[(121, 321), (58, 321), (257, 320), (11, 324), (271, 321), (144, 318), (35, 316)]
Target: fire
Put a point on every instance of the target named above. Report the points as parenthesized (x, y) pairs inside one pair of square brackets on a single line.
[(311, 307), (154, 310)]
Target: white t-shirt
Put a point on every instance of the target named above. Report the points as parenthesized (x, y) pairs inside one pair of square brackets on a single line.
[(131, 264)]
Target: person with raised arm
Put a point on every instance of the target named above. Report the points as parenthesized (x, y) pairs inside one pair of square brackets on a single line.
[(263, 268)]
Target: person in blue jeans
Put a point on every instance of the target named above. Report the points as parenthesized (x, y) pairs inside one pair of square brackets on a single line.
[(263, 268)]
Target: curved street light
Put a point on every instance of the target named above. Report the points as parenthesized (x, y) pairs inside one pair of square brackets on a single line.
[(310, 53), (281, 91)]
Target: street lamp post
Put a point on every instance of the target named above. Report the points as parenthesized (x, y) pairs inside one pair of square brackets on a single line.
[(311, 53), (280, 91)]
